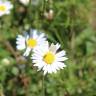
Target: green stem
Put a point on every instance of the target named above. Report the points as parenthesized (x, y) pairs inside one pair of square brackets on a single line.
[(43, 5), (59, 38), (43, 87)]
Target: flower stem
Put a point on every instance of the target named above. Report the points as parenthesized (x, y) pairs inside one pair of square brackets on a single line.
[(43, 86), (43, 5)]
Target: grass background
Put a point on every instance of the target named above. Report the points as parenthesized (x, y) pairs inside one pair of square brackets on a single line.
[(73, 24)]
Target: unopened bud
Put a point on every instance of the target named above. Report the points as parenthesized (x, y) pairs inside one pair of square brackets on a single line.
[(6, 61), (49, 15), (25, 2)]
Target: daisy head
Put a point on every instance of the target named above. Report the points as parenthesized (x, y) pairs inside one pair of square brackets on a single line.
[(5, 7), (30, 41), (48, 58)]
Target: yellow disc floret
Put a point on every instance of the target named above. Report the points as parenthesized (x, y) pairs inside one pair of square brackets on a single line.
[(2, 8), (49, 58), (31, 43)]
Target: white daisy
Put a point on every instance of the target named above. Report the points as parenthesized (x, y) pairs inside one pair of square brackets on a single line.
[(5, 7), (48, 59), (31, 41)]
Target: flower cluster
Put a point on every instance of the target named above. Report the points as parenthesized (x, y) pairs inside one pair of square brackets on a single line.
[(44, 55)]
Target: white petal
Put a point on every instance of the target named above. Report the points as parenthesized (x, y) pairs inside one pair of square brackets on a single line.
[(55, 66), (51, 69), (7, 12), (62, 59), (20, 38), (20, 47), (41, 36), (35, 35), (27, 52), (54, 70), (20, 42), (37, 57), (27, 37), (52, 48), (41, 42), (8, 4), (61, 65), (46, 45), (39, 65), (40, 50), (36, 60), (61, 53), (57, 46), (45, 72), (48, 68)]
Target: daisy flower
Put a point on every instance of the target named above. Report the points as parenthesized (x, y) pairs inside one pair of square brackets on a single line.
[(31, 41), (48, 58), (5, 7)]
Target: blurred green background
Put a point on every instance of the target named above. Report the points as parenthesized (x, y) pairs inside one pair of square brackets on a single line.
[(71, 23)]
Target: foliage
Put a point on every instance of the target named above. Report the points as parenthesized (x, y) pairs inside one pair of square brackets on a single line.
[(71, 27)]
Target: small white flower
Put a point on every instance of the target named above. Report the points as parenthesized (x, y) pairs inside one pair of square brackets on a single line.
[(25, 2), (5, 7), (48, 59), (31, 41)]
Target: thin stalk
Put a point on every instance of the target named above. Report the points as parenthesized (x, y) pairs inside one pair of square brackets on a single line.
[(59, 38), (43, 5), (43, 86)]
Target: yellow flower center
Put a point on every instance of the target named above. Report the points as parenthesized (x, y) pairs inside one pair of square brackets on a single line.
[(31, 43), (2, 8), (49, 57)]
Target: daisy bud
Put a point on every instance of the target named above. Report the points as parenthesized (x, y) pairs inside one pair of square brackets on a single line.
[(25, 2), (21, 9), (6, 61), (49, 15)]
